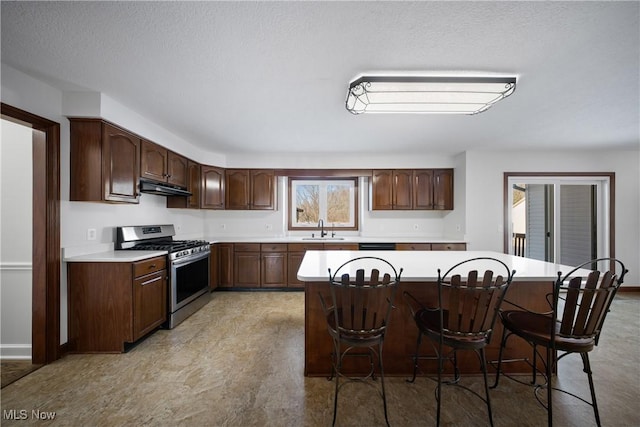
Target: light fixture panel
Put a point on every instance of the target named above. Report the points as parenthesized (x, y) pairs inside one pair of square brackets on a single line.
[(435, 95)]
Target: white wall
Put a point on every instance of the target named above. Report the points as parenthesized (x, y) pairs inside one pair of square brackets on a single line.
[(16, 183), (484, 190)]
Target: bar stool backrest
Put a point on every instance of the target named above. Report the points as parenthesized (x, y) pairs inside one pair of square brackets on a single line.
[(362, 302), (581, 304)]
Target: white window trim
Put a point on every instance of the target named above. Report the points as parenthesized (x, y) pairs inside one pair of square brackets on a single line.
[(353, 194)]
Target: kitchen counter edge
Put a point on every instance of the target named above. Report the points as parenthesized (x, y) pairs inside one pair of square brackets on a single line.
[(342, 239), (116, 256)]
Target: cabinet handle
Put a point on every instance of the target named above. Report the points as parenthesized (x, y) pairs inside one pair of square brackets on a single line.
[(151, 281), (152, 266)]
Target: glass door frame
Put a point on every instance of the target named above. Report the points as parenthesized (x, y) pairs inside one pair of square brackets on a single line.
[(605, 209)]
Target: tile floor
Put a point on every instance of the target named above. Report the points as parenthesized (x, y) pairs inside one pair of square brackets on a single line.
[(239, 362)]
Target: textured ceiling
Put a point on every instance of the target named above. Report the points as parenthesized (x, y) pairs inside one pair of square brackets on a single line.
[(272, 76)]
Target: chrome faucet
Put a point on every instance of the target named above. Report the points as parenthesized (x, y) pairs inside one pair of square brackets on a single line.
[(321, 227)]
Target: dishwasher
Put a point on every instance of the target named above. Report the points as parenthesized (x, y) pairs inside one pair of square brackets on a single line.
[(377, 246)]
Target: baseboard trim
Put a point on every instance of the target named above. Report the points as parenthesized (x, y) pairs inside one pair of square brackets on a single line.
[(15, 351)]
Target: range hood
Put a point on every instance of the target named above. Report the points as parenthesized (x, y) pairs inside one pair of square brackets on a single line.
[(161, 189)]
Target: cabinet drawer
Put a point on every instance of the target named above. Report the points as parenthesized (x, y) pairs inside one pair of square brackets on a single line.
[(273, 247), (413, 246), (302, 247), (246, 247), (147, 266), (341, 247), (448, 246)]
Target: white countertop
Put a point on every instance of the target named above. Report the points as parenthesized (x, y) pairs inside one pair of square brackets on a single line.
[(422, 266), (116, 256), (105, 252), (337, 239)]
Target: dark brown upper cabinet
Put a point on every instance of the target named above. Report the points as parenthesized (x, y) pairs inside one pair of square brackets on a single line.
[(250, 189), (162, 165), (193, 186), (392, 189), (212, 187), (443, 189), (105, 162), (409, 189)]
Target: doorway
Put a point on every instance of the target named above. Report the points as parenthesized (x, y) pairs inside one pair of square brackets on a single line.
[(560, 218), (45, 260)]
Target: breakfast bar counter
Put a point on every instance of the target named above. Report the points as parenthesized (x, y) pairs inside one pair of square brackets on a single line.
[(532, 281)]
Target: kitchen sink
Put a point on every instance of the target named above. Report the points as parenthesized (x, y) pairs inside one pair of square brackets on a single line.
[(323, 238)]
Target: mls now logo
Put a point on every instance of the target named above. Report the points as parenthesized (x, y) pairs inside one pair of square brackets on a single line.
[(15, 414), (23, 414)]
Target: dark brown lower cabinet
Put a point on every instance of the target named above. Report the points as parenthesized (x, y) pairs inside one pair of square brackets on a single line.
[(214, 271), (246, 265), (448, 246), (225, 264), (273, 265), (114, 303), (413, 246)]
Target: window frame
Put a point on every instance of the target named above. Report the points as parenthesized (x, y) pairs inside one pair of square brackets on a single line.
[(291, 204)]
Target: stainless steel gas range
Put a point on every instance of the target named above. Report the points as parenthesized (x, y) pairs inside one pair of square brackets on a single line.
[(188, 262)]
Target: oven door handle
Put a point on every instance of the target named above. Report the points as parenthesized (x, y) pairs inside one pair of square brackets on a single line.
[(190, 259)]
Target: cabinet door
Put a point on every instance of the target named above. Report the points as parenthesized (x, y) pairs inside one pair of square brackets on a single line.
[(153, 161), (149, 302), (214, 272), (423, 189), (212, 192), (296, 255), (238, 189), (246, 269), (263, 189), (225, 269), (294, 260), (177, 167), (274, 270), (120, 164), (193, 185), (443, 189), (403, 189), (86, 180), (382, 190)]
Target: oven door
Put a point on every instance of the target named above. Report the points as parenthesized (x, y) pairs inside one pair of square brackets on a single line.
[(189, 279)]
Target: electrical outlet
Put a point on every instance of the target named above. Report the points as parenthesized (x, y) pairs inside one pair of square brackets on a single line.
[(269, 227), (458, 227), (223, 226), (416, 227), (91, 234)]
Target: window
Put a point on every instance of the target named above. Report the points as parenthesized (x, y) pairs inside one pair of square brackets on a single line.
[(334, 200)]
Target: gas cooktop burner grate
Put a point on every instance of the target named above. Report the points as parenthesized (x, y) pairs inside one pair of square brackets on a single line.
[(169, 245)]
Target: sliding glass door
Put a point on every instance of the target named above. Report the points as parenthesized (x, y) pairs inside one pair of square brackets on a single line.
[(559, 219)]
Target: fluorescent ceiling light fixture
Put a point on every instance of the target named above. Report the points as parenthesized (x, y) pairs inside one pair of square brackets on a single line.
[(437, 95)]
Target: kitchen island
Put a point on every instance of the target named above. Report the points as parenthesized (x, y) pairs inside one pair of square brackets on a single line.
[(532, 281)]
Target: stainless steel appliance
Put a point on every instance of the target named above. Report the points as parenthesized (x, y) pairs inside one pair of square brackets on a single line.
[(188, 262)]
